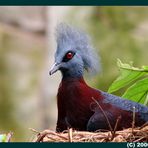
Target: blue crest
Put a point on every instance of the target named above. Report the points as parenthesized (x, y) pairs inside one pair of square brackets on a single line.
[(71, 38)]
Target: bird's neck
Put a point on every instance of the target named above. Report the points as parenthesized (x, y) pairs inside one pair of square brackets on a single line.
[(73, 73), (68, 80)]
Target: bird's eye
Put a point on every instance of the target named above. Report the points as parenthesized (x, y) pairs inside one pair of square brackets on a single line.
[(69, 55)]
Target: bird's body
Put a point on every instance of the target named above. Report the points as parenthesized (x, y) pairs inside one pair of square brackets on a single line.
[(76, 108), (75, 99)]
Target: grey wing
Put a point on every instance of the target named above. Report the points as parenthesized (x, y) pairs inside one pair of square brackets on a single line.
[(126, 105), (98, 121)]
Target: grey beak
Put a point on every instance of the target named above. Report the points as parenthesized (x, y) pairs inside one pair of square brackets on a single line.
[(54, 68)]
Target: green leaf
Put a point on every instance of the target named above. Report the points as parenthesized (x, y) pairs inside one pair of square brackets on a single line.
[(138, 92), (146, 100), (128, 75), (3, 138), (145, 68)]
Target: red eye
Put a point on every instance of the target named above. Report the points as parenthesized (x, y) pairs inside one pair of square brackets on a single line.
[(69, 55)]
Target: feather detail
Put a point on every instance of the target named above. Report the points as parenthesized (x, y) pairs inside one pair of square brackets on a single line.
[(71, 37)]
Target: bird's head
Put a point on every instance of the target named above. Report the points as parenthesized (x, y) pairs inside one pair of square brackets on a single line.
[(74, 52)]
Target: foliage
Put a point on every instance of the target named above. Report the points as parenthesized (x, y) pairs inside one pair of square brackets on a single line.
[(116, 33), (138, 91), (3, 138)]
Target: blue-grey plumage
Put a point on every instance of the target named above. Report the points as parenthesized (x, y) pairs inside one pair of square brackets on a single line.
[(72, 39)]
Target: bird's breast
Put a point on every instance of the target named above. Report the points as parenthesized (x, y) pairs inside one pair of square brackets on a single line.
[(75, 98)]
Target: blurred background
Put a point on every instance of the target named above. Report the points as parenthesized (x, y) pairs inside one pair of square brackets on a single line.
[(27, 46)]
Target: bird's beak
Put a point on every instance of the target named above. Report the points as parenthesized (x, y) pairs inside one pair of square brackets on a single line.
[(55, 67)]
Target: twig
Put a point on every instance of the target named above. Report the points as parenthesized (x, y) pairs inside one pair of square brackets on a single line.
[(115, 128), (9, 136), (40, 137), (145, 124), (111, 129), (49, 132), (83, 136), (133, 122), (33, 130), (138, 140), (70, 134)]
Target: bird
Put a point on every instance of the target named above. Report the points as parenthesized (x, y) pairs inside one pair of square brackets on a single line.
[(80, 106)]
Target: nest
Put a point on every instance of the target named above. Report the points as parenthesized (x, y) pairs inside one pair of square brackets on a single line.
[(139, 134)]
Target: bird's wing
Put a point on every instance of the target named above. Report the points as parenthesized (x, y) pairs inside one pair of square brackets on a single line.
[(123, 103), (98, 121), (113, 107)]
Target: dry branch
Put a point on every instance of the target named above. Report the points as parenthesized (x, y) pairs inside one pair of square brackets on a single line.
[(127, 135)]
